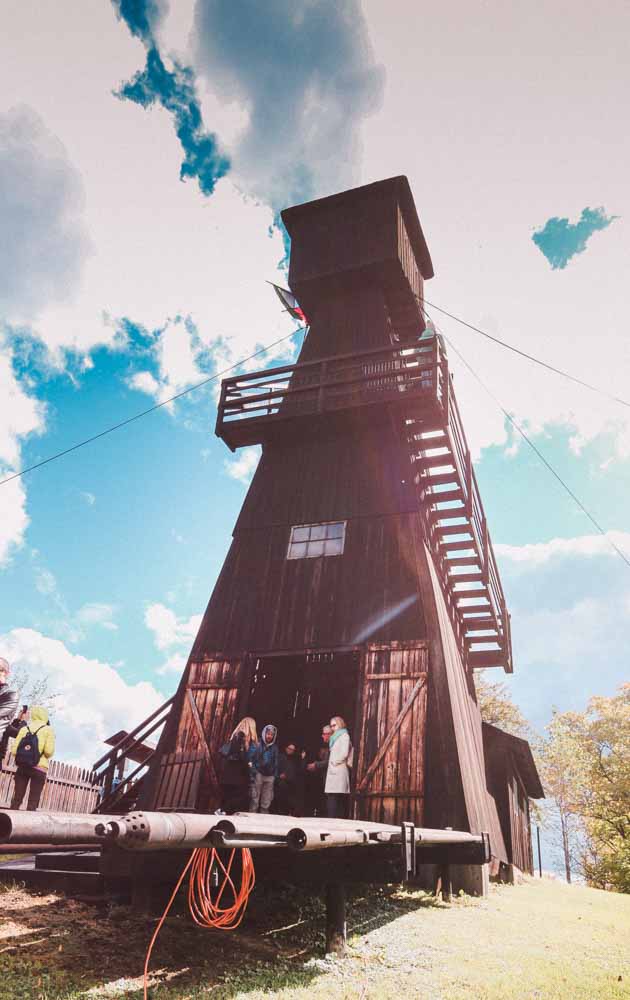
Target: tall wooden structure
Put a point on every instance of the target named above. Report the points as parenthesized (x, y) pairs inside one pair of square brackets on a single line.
[(361, 579)]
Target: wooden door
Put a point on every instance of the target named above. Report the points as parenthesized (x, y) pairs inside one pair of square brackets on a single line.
[(190, 776), (391, 727)]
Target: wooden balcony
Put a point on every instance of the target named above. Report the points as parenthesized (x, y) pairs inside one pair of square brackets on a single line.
[(259, 406)]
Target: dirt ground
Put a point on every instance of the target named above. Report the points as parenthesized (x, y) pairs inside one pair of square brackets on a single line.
[(537, 940)]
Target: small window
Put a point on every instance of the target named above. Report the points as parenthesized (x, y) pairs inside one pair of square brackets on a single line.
[(309, 541)]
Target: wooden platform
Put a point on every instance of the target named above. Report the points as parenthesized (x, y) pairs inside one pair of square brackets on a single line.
[(76, 874)]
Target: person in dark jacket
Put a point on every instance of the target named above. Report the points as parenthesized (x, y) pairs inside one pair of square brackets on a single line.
[(317, 774), (290, 787), (236, 762), (8, 706), (266, 769)]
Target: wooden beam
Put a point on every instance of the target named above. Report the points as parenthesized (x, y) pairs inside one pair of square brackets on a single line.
[(335, 919)]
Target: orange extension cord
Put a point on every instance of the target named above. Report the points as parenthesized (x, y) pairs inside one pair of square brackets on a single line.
[(203, 910)]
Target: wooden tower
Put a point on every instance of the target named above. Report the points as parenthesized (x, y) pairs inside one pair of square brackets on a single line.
[(361, 579)]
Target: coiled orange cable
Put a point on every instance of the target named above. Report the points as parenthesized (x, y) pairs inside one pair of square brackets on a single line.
[(205, 911)]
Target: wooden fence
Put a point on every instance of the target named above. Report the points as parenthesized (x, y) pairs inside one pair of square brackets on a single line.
[(68, 788)]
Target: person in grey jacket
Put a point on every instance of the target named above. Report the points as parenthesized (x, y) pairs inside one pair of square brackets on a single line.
[(8, 705)]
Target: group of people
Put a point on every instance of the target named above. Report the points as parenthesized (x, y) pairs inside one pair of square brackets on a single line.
[(257, 776), (33, 742)]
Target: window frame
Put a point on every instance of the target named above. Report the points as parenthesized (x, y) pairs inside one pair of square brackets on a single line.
[(310, 542)]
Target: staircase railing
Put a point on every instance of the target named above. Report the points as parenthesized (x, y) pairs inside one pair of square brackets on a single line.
[(456, 526), (118, 787)]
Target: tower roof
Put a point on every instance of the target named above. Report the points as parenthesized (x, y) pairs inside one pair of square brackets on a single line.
[(353, 201)]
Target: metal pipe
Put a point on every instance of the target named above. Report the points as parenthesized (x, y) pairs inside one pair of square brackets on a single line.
[(169, 831), (156, 831), (24, 827), (316, 840), (222, 840)]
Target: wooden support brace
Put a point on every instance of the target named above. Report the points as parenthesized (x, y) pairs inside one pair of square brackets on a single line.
[(335, 919), (446, 884)]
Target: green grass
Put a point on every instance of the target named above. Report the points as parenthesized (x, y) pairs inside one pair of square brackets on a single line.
[(538, 940)]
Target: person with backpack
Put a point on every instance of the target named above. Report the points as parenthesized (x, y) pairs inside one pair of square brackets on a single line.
[(236, 764), (266, 766), (33, 749)]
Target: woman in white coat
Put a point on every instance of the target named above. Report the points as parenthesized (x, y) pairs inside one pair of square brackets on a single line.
[(337, 787)]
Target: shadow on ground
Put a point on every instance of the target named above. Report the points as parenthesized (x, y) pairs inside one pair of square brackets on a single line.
[(59, 949)]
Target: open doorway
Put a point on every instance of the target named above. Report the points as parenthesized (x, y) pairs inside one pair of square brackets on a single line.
[(300, 693)]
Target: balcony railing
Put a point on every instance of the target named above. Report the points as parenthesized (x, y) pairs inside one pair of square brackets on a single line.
[(252, 404)]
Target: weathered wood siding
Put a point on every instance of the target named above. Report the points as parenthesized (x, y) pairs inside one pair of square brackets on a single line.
[(184, 773), (510, 795), (390, 742), (459, 746), (262, 601)]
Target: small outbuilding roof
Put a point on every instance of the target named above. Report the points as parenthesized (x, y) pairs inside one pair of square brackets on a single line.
[(523, 757)]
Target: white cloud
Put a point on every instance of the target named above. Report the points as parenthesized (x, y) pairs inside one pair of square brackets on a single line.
[(176, 351), (44, 240), (305, 76), (145, 382), (584, 546), (243, 467), (169, 630), (45, 582), (97, 613), (20, 415), (173, 665), (530, 164), (93, 701), (14, 519)]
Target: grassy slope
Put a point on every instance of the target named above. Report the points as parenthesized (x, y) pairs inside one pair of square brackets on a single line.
[(539, 940)]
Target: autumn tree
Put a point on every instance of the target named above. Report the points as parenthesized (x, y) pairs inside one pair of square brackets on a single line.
[(562, 769), (584, 761), (602, 735), (497, 708)]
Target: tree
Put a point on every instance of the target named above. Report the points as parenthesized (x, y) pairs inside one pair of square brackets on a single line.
[(32, 691), (602, 734), (584, 761), (563, 771), (498, 709)]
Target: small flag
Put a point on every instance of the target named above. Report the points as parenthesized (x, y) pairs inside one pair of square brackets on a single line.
[(289, 302)]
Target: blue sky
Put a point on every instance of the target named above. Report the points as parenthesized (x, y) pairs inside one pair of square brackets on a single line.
[(141, 230)]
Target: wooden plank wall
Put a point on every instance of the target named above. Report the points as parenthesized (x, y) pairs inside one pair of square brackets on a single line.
[(510, 795), (467, 744), (68, 788), (265, 602), (391, 734), (184, 772), (521, 847)]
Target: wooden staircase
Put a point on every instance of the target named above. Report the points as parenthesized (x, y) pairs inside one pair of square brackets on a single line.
[(457, 533), (120, 790)]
